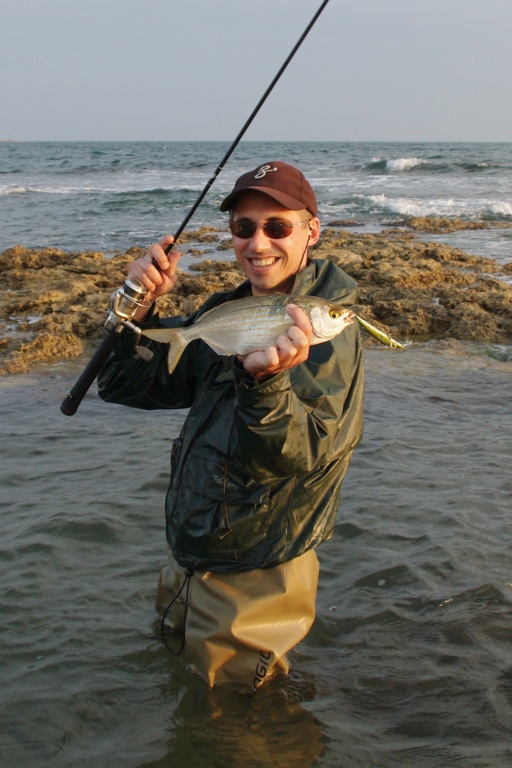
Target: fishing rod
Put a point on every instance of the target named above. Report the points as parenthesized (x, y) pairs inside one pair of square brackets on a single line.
[(245, 127), (125, 302)]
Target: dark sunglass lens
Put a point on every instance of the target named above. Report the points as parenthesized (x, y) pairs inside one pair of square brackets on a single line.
[(277, 229), (243, 229)]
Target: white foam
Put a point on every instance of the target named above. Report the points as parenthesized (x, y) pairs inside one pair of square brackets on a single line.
[(398, 164), (405, 163), (46, 190), (405, 206), (501, 208), (12, 190)]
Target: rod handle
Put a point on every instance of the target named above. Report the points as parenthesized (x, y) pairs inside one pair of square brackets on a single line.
[(70, 404)]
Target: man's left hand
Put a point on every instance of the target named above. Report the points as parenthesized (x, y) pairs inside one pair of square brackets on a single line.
[(289, 350)]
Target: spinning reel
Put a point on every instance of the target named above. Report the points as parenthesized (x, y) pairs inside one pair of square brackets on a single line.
[(122, 307)]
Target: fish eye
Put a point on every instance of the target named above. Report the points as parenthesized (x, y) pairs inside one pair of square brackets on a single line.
[(334, 314)]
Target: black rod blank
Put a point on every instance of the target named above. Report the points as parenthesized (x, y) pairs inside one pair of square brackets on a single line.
[(248, 122)]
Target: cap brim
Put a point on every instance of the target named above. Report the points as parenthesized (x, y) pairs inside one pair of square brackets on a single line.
[(280, 197)]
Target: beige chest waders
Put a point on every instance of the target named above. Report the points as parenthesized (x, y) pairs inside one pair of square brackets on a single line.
[(239, 626)]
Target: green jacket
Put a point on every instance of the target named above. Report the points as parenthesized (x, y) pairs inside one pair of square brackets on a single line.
[(257, 469)]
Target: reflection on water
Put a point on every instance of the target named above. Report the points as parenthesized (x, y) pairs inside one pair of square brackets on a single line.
[(228, 727), (409, 661)]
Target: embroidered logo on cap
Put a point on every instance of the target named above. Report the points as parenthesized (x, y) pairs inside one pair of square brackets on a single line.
[(262, 172)]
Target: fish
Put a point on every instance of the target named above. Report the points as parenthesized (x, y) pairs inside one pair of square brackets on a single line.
[(254, 323)]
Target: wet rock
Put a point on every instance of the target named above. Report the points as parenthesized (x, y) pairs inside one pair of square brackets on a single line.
[(53, 305), (439, 224)]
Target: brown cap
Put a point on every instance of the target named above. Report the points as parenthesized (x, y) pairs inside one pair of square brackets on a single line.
[(280, 181)]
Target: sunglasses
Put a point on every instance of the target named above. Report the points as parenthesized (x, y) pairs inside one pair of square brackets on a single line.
[(275, 229)]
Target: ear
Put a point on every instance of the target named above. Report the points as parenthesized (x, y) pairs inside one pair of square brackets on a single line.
[(314, 230)]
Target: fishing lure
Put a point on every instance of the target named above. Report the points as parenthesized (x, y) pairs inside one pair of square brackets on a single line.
[(378, 334)]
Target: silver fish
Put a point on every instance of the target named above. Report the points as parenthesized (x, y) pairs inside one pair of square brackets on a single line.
[(246, 325)]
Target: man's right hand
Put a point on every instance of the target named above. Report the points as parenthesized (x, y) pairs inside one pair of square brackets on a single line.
[(158, 281)]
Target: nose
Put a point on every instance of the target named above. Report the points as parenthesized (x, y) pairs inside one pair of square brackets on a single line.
[(259, 241)]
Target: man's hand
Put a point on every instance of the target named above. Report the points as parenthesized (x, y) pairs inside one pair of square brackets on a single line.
[(158, 281), (290, 349)]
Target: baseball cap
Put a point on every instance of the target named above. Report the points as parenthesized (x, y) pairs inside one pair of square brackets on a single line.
[(280, 181)]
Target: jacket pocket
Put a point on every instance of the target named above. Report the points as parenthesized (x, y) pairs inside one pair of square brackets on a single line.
[(220, 515)]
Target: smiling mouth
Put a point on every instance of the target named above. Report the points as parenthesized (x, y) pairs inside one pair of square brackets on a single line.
[(263, 262)]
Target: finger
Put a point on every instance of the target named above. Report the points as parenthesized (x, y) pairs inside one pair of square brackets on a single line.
[(300, 340), (261, 363), (300, 319), (173, 258), (270, 358), (285, 346), (137, 272), (163, 261), (166, 241), (264, 360), (152, 278), (157, 257), (290, 354)]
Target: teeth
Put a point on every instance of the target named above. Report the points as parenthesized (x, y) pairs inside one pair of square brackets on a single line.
[(263, 262)]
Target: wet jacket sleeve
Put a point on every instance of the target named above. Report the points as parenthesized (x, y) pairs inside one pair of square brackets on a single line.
[(301, 419), (126, 379)]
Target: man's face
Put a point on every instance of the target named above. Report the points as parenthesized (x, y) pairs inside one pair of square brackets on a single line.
[(269, 263)]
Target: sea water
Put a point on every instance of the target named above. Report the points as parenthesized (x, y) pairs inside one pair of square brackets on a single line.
[(109, 196), (409, 662)]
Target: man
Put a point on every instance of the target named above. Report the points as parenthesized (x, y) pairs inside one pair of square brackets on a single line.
[(256, 472)]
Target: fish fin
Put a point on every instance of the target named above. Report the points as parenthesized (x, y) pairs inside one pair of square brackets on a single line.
[(176, 339), (164, 335), (176, 347)]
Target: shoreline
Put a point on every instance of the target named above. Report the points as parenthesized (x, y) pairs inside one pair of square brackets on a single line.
[(54, 303)]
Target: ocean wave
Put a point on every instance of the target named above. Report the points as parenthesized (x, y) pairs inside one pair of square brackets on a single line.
[(482, 166), (446, 207), (85, 195), (118, 192), (398, 165), (5, 191), (500, 209), (385, 165)]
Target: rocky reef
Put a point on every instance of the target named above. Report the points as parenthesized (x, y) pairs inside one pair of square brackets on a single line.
[(54, 303)]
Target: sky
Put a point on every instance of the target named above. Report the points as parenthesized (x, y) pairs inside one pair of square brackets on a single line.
[(144, 70)]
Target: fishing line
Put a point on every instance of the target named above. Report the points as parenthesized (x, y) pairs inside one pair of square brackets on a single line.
[(70, 404)]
